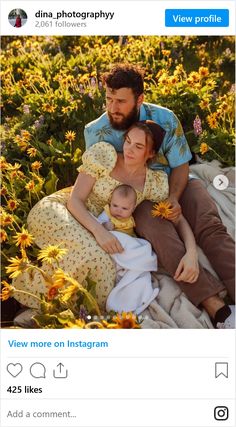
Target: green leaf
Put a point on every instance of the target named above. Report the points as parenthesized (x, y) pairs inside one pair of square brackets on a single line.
[(51, 183)]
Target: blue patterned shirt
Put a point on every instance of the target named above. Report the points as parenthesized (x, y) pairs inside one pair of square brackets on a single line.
[(174, 150)]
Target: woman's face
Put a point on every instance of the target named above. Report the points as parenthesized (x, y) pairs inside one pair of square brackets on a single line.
[(136, 150)]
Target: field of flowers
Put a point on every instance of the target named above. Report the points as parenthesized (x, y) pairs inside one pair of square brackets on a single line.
[(51, 87)]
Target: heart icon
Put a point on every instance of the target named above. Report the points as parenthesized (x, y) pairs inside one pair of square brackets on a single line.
[(14, 369)]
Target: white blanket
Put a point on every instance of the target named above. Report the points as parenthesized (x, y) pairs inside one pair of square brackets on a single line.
[(172, 309), (133, 290)]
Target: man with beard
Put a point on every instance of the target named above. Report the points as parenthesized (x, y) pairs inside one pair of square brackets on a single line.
[(124, 103)]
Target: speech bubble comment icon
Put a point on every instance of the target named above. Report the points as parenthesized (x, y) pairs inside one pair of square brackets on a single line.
[(38, 370)]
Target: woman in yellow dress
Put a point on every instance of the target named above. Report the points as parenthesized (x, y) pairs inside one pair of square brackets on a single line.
[(65, 218)]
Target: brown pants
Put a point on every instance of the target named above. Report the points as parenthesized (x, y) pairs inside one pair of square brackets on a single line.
[(210, 234)]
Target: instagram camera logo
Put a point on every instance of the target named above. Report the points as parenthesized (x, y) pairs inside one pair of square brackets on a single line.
[(221, 413)]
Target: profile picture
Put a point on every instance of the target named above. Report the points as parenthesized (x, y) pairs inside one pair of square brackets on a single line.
[(17, 18)]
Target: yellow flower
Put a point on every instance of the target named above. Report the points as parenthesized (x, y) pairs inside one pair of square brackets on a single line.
[(32, 152), (204, 104), (3, 163), (22, 144), (3, 191), (51, 253), (203, 71), (30, 186), (12, 204), (23, 239), (125, 321), (94, 325), (224, 107), (17, 266), (77, 324), (53, 291), (194, 76), (70, 135), (48, 108), (25, 135), (211, 84), (7, 220), (36, 165), (7, 291), (3, 236), (203, 148), (165, 52), (14, 167), (212, 121), (68, 292), (65, 110), (173, 80), (162, 209), (60, 277)]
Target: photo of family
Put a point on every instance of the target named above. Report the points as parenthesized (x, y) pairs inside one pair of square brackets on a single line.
[(118, 182)]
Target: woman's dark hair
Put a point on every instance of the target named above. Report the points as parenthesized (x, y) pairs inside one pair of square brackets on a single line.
[(125, 75), (154, 133)]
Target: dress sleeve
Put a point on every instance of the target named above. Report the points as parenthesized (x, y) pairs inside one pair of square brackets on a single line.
[(159, 190), (98, 160)]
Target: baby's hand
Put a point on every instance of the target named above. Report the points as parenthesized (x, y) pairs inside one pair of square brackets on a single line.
[(108, 226)]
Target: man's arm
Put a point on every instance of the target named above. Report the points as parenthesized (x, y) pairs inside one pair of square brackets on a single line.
[(177, 183)]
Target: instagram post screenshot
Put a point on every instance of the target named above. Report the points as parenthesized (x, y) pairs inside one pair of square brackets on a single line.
[(117, 213)]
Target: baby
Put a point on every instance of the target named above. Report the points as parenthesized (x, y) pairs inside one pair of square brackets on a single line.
[(133, 290), (117, 215)]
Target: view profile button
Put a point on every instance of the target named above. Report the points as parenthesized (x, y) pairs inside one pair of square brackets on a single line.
[(196, 17)]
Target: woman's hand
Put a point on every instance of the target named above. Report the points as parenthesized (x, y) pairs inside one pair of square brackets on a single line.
[(108, 241), (188, 268)]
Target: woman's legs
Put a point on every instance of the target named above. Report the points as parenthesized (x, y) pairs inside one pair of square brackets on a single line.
[(51, 224)]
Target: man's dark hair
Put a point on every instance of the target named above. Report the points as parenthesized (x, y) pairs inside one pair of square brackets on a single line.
[(125, 75)]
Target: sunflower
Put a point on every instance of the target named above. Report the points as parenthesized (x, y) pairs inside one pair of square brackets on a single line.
[(51, 253), (3, 191), (162, 209), (30, 186), (53, 291), (36, 166), (12, 204), (32, 152), (204, 104), (23, 239), (67, 293), (203, 148), (48, 108), (77, 324), (70, 135), (60, 278), (212, 121), (65, 110), (94, 325), (7, 220), (224, 107), (3, 163), (203, 71), (3, 236), (124, 321), (25, 135), (17, 266), (7, 291)]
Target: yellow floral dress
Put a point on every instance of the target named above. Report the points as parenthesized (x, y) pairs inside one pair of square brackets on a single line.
[(51, 223)]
